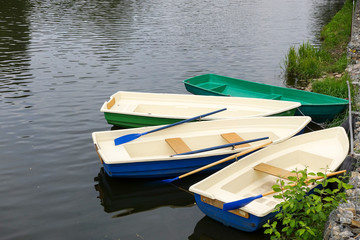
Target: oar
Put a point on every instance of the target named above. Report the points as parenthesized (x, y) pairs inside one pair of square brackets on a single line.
[(217, 162), (243, 202), (221, 146), (133, 136)]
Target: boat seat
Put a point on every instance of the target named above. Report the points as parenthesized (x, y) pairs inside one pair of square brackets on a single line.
[(233, 138), (220, 88), (275, 171), (178, 145), (111, 103)]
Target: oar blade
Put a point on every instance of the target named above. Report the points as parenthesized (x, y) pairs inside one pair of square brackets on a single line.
[(170, 180), (240, 203), (126, 138)]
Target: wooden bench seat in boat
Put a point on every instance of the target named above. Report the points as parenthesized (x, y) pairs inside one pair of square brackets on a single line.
[(275, 171), (111, 103), (233, 138), (178, 145), (219, 88)]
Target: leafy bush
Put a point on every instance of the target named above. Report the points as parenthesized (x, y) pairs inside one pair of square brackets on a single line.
[(303, 215)]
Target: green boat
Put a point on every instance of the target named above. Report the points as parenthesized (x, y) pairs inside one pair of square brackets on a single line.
[(319, 107)]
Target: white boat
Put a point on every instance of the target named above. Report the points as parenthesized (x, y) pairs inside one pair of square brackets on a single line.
[(319, 151), (154, 155), (137, 109)]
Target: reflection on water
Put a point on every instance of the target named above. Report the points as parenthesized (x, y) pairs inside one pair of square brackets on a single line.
[(60, 60), (210, 229), (14, 43), (132, 196)]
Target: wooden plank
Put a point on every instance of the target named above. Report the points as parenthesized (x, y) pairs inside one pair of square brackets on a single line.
[(233, 137), (178, 145), (97, 151), (111, 103), (219, 204), (275, 171)]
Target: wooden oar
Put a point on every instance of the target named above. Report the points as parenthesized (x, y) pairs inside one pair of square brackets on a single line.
[(220, 146), (243, 202), (133, 136), (218, 162)]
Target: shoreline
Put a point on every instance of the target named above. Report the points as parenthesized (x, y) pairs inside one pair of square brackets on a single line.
[(353, 69), (344, 221)]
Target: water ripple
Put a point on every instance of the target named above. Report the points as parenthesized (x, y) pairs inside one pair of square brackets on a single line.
[(60, 60)]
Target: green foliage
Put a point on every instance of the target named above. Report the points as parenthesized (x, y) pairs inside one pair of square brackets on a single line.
[(309, 62), (336, 34), (334, 87), (337, 88), (304, 63), (303, 215), (336, 65)]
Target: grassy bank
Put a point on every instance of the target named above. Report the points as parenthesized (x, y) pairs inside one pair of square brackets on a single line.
[(317, 66)]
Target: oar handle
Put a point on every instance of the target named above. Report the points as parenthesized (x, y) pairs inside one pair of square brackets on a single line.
[(184, 121), (220, 146), (225, 159)]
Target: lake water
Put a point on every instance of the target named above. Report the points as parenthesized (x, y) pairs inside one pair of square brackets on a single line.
[(61, 59)]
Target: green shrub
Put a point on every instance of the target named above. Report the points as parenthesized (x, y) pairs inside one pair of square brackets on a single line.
[(291, 63), (305, 63), (303, 215)]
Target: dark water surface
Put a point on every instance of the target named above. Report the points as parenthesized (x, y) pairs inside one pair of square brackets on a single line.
[(61, 59)]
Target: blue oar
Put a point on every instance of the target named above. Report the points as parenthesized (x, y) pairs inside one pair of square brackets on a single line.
[(217, 162), (133, 136), (243, 202), (221, 146)]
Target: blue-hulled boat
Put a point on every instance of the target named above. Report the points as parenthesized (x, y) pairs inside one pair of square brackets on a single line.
[(255, 174), (158, 155)]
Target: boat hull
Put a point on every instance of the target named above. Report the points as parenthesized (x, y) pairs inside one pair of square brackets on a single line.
[(163, 169), (134, 121), (319, 107), (248, 224), (320, 113)]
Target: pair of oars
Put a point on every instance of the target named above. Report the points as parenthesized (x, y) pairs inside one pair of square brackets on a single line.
[(250, 150), (243, 202), (220, 146), (133, 136)]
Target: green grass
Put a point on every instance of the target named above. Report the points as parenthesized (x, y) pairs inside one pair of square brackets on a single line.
[(305, 63), (308, 62), (334, 87), (336, 34)]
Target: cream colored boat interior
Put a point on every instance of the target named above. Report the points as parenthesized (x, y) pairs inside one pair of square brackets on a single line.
[(254, 182), (165, 147), (194, 136), (187, 110), (184, 105)]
